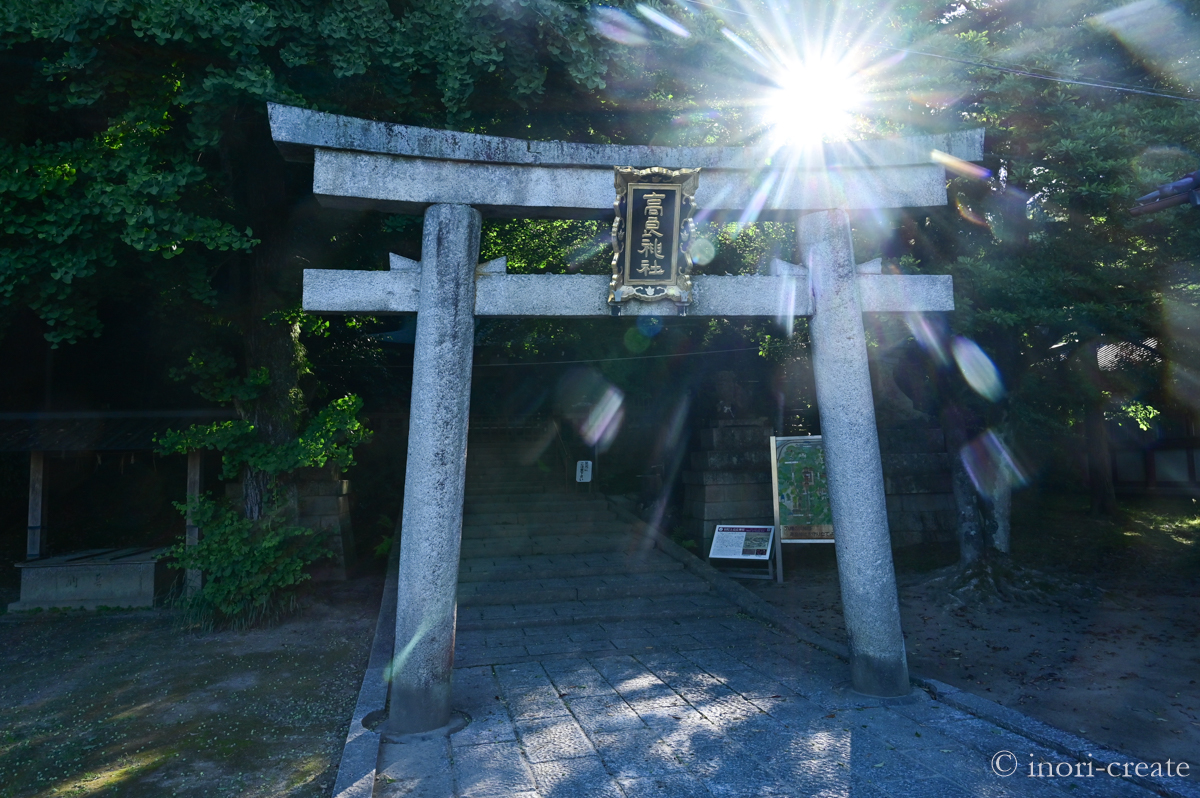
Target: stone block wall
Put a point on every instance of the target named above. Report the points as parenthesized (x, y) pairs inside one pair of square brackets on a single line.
[(729, 481), (323, 503), (916, 478)]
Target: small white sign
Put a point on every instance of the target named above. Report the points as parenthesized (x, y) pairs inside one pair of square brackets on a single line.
[(742, 542), (583, 471)]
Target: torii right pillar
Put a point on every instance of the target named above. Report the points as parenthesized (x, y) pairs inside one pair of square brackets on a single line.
[(878, 664)]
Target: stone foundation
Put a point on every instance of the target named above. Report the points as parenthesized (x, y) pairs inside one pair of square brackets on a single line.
[(729, 481), (131, 577), (916, 476), (323, 504)]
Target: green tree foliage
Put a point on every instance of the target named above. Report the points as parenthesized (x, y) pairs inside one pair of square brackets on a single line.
[(251, 567), (1049, 266), (139, 152), (329, 438)]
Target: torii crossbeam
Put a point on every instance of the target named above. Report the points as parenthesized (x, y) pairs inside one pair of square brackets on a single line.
[(457, 178)]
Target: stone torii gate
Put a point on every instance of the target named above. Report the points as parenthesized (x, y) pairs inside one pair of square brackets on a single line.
[(456, 178)]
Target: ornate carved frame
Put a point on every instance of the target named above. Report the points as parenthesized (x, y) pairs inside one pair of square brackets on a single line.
[(678, 290)]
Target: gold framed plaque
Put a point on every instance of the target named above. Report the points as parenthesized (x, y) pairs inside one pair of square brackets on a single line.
[(652, 234)]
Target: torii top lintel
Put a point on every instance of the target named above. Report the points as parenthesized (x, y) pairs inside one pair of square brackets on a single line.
[(362, 164)]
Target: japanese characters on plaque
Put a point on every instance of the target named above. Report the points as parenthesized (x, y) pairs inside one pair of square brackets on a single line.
[(648, 218), (652, 231)]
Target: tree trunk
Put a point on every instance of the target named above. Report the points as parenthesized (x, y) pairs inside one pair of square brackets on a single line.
[(1100, 478), (970, 530), (259, 183), (969, 527), (1002, 516)]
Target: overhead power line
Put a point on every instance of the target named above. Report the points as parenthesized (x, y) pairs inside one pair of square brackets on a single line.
[(1011, 70), (1053, 78), (612, 359), (563, 362)]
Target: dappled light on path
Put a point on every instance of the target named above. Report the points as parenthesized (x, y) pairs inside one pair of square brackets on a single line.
[(729, 707)]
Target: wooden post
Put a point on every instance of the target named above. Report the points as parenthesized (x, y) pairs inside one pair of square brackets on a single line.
[(34, 540), (195, 479)]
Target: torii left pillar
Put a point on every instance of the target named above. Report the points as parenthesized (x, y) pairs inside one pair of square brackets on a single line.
[(436, 471)]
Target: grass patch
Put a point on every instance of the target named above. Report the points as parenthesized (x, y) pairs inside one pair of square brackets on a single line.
[(1158, 535)]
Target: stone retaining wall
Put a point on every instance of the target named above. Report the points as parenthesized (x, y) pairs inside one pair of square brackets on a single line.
[(729, 482)]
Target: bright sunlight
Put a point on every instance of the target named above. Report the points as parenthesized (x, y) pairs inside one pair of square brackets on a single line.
[(813, 101)]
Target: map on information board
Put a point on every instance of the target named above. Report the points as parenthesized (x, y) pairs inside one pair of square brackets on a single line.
[(802, 512)]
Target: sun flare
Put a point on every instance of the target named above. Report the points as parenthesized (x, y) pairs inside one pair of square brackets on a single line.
[(812, 102)]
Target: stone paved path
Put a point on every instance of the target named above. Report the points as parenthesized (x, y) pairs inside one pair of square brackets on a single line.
[(590, 663), (720, 706)]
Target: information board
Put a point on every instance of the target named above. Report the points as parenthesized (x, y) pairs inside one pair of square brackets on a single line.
[(742, 542), (802, 511)]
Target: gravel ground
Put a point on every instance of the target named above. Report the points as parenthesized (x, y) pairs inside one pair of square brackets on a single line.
[(125, 703), (1121, 668)]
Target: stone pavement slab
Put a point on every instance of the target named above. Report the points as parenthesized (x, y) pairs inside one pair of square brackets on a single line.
[(746, 711)]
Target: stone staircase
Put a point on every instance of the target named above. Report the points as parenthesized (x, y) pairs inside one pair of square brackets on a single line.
[(537, 552)]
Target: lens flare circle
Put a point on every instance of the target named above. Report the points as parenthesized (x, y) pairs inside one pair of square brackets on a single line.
[(650, 326), (636, 341), (977, 369), (992, 466), (703, 251), (619, 26)]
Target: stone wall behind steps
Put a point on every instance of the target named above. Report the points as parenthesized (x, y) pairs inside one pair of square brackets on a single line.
[(727, 480), (324, 505)]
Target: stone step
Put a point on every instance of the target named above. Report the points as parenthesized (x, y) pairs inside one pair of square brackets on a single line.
[(538, 502), (521, 499), (508, 501), (509, 478), (581, 588), (484, 495), (483, 467), (583, 612), (565, 516), (483, 532), (556, 483), (521, 455), (563, 566), (512, 486), (547, 544)]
